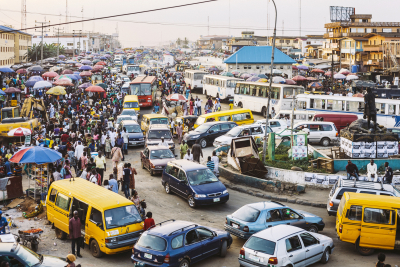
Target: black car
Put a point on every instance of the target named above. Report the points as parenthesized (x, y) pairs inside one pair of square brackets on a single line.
[(207, 132)]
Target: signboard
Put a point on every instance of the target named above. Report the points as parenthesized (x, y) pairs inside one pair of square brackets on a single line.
[(27, 140)]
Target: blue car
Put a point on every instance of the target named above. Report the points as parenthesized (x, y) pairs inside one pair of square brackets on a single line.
[(194, 182), (255, 217), (135, 134), (179, 244)]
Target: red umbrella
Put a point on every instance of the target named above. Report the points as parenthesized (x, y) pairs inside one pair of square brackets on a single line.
[(176, 97), (12, 90), (101, 63), (98, 67), (85, 73), (318, 71), (311, 79), (67, 72), (329, 73), (299, 78), (63, 82), (295, 68), (95, 88), (50, 74), (22, 71), (289, 81), (19, 132)]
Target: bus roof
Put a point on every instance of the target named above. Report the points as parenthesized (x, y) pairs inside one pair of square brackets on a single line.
[(302, 97), (372, 200), (225, 112), (274, 84), (196, 71), (150, 116), (144, 79), (219, 77)]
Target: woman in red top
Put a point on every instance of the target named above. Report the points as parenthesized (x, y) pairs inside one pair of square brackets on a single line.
[(149, 222)]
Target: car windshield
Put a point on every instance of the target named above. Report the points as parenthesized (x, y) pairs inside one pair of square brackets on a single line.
[(122, 216), (157, 134), (28, 256), (246, 214), (203, 176), (161, 154), (123, 119), (133, 128), (202, 128), (159, 121), (261, 245), (152, 242), (129, 112), (234, 132), (131, 105)]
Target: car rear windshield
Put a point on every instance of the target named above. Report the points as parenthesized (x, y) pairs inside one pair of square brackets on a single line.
[(158, 121), (247, 214), (152, 242), (131, 105), (261, 245), (157, 134)]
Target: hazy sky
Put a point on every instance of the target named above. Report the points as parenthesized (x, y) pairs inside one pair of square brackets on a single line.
[(163, 26)]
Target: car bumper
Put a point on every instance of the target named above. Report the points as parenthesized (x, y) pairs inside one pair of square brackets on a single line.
[(211, 200), (158, 170), (237, 232), (332, 212), (141, 263), (136, 143), (249, 263)]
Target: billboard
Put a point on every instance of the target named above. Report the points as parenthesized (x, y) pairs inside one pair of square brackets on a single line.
[(339, 13)]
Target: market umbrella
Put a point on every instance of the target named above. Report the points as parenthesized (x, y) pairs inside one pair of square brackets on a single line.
[(96, 60), (329, 73), (323, 66), (317, 71), (6, 69), (245, 75), (67, 72), (85, 73), (12, 90), (22, 71), (344, 71), (94, 88), (213, 68), (253, 79), (42, 84), (19, 132), (176, 97), (101, 63), (98, 67), (142, 66), (275, 71), (315, 85), (339, 76), (74, 77), (30, 83), (311, 79), (63, 77), (63, 82), (85, 61), (351, 77), (299, 78), (294, 67), (60, 62), (36, 154), (262, 76), (262, 80), (103, 58), (84, 85), (278, 79), (102, 85), (70, 62), (61, 56), (228, 74), (35, 68), (50, 74), (235, 72), (289, 81), (85, 67), (302, 67), (57, 90)]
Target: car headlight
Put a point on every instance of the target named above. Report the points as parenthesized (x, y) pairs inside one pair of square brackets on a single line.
[(199, 196), (225, 192), (194, 136), (141, 139), (111, 240)]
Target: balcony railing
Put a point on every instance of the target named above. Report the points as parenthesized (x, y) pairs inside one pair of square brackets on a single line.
[(361, 24), (343, 34), (372, 48)]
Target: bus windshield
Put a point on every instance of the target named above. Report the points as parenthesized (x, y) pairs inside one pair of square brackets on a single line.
[(133, 68), (141, 89), (199, 76)]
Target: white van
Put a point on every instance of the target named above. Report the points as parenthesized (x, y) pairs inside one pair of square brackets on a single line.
[(318, 132)]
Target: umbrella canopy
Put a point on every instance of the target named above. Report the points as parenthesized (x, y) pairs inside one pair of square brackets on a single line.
[(302, 67), (235, 72), (351, 77), (85, 73), (85, 67), (101, 63), (12, 90), (262, 80), (311, 79), (95, 88), (65, 76), (36, 78), (213, 69), (74, 77), (6, 69), (315, 85), (294, 67), (278, 79), (339, 76), (19, 132), (61, 56), (245, 75), (262, 76), (289, 81), (22, 71), (84, 85), (42, 84), (67, 72), (70, 62), (323, 66), (50, 74), (275, 71), (103, 58), (57, 90), (35, 68), (253, 79), (63, 82), (30, 83), (318, 71), (299, 78), (176, 97), (36, 154), (85, 61), (344, 71), (329, 73), (102, 85)]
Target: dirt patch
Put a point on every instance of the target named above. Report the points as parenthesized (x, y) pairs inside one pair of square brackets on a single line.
[(29, 205)]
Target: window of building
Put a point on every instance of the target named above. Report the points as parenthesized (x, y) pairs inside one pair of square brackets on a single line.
[(295, 41), (368, 30), (70, 44), (387, 30), (281, 41)]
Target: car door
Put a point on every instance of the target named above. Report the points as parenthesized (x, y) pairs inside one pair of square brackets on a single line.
[(293, 218), (313, 249), (256, 131), (193, 246), (273, 218), (315, 133), (145, 157), (210, 241), (224, 128), (173, 172), (214, 132), (182, 185), (295, 251)]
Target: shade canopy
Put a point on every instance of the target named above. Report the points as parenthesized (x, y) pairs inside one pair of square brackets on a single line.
[(36, 154)]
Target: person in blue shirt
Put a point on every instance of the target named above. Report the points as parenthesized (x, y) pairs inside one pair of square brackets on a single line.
[(92, 146), (3, 224), (113, 183), (8, 167)]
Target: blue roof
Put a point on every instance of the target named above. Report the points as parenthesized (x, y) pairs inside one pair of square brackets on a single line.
[(4, 29), (259, 55)]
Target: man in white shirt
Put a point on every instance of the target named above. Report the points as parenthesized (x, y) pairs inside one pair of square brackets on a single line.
[(79, 150), (215, 159), (188, 156), (163, 142), (198, 105), (125, 135), (372, 171)]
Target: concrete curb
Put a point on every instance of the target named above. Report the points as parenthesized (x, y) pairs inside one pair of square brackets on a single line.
[(258, 183)]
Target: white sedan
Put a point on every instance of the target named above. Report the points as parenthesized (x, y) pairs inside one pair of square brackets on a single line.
[(255, 130), (121, 118), (285, 245)]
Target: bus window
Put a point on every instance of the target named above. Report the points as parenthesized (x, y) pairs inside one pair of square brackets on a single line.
[(392, 110), (352, 106), (253, 90), (381, 108), (263, 92), (337, 105), (237, 89), (246, 89), (288, 92), (275, 93), (224, 118), (330, 104), (301, 104), (318, 103), (242, 89)]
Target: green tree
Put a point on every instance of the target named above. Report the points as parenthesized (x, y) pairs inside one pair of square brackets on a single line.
[(179, 41), (49, 50), (185, 43)]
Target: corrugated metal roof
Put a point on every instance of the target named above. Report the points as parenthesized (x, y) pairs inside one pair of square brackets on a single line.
[(4, 29), (259, 55)]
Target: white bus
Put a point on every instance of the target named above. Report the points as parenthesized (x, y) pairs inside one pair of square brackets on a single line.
[(195, 79), (387, 115), (253, 96), (221, 86)]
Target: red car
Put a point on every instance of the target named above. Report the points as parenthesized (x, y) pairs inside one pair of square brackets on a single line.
[(155, 158)]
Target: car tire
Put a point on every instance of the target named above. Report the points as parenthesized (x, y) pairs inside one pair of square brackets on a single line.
[(151, 173), (191, 202), (203, 143), (240, 105), (325, 256), (167, 188), (325, 142), (61, 234), (364, 251), (313, 229), (184, 263), (95, 249), (224, 249)]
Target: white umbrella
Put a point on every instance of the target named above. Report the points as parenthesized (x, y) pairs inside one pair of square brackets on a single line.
[(351, 77), (278, 79), (322, 66), (275, 71), (42, 84), (339, 76), (19, 132)]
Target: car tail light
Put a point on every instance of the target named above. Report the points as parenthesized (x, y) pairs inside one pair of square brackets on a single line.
[(166, 259), (246, 229), (241, 253), (273, 260), (337, 134), (331, 204), (340, 228)]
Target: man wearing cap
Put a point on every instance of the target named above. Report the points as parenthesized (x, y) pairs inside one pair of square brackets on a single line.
[(3, 224), (163, 142), (75, 233)]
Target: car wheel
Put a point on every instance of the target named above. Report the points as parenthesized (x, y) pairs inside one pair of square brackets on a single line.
[(264, 112), (142, 164), (167, 188), (203, 143), (240, 105), (184, 263), (364, 251), (313, 229), (325, 256), (325, 141), (191, 202), (95, 249), (151, 173), (61, 234), (224, 248)]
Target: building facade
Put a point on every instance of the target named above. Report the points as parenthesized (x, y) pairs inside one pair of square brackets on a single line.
[(14, 46)]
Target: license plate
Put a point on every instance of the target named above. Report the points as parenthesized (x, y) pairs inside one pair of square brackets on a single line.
[(148, 256), (132, 143), (254, 257), (234, 225), (216, 199)]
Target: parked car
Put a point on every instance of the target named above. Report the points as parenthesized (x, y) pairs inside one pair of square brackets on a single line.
[(135, 134), (255, 130), (207, 132), (276, 125), (194, 182), (179, 244), (121, 118), (154, 134), (340, 120), (155, 158), (26, 257), (285, 245), (341, 186), (318, 132), (130, 112), (255, 217)]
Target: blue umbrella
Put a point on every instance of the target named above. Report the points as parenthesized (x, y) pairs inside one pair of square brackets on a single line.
[(61, 56), (76, 72), (60, 62), (85, 85), (302, 67), (2, 92), (85, 67), (30, 83), (103, 58), (71, 62), (263, 76), (36, 154), (74, 77), (85, 61), (5, 69), (36, 78)]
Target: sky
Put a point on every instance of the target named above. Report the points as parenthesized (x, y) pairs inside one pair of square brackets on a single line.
[(222, 17)]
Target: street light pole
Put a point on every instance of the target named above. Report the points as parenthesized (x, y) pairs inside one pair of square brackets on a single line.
[(270, 85)]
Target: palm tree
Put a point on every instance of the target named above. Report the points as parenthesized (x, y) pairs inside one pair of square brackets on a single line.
[(185, 43), (179, 41)]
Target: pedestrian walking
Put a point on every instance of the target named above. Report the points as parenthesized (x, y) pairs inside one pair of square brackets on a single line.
[(75, 233), (183, 148), (126, 180), (116, 156), (101, 166), (197, 152), (149, 222), (179, 132), (132, 178)]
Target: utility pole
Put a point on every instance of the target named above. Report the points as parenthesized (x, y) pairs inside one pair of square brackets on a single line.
[(41, 48), (208, 25), (79, 42), (58, 39), (23, 14)]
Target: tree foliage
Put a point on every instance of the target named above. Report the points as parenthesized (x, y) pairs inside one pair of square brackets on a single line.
[(49, 50)]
